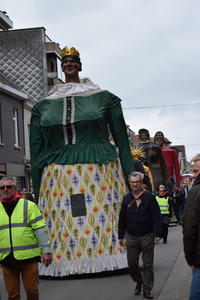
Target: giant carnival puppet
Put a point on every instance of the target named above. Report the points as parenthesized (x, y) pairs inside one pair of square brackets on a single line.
[(154, 160), (171, 158), (136, 154), (78, 177), (140, 167)]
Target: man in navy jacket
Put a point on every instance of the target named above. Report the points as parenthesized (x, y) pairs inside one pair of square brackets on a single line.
[(191, 229), (141, 222)]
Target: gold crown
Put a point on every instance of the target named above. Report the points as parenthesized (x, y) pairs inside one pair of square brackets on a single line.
[(72, 51)]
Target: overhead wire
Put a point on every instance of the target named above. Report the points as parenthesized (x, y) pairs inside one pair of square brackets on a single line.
[(156, 106)]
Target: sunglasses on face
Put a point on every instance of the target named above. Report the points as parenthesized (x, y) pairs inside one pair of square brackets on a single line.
[(8, 187)]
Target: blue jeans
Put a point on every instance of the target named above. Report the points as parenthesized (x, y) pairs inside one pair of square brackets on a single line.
[(195, 285)]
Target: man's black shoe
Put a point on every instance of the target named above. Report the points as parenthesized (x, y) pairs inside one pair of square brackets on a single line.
[(138, 288), (147, 295)]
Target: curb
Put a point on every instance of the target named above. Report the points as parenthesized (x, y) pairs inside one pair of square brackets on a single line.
[(177, 285), (184, 289)]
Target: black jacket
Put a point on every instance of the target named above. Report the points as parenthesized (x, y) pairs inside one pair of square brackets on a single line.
[(178, 198), (191, 225), (140, 220)]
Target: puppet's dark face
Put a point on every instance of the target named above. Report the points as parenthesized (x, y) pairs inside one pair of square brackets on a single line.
[(144, 137), (159, 139)]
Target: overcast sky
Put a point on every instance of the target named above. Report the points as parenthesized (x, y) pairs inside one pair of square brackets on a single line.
[(147, 52)]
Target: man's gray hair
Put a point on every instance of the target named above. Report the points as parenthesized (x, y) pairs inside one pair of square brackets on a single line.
[(134, 174), (8, 178)]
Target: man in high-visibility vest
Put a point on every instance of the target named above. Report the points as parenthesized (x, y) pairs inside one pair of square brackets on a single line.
[(21, 230), (165, 204)]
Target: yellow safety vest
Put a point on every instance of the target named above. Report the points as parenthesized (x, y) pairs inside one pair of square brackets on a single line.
[(16, 231), (163, 204)]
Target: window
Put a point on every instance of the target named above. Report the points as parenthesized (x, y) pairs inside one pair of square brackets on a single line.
[(51, 63), (54, 67), (19, 182), (60, 72), (15, 127)]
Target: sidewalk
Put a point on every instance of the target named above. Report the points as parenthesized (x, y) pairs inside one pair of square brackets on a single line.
[(177, 286)]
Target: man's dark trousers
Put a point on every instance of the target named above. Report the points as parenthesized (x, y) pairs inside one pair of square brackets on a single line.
[(141, 244)]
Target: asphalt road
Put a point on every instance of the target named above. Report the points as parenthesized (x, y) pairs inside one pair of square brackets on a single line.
[(111, 285)]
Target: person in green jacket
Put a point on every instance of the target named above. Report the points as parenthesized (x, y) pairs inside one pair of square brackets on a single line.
[(79, 176), (21, 231)]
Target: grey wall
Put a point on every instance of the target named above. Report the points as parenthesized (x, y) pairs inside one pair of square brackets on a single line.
[(23, 60)]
